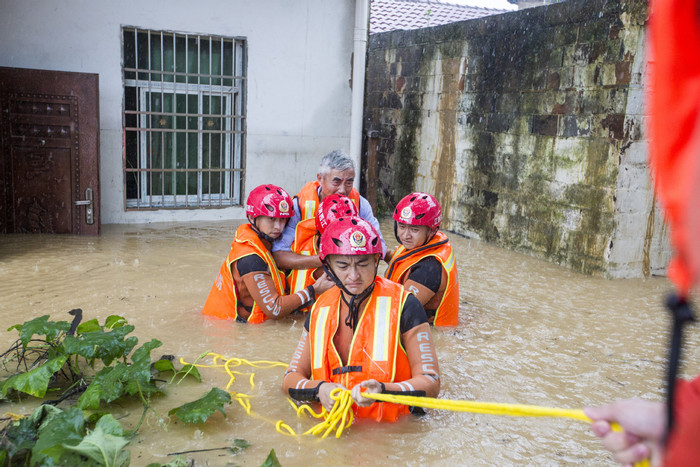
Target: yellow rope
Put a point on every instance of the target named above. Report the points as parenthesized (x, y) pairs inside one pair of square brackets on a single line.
[(14, 416), (219, 361), (341, 416), (516, 410)]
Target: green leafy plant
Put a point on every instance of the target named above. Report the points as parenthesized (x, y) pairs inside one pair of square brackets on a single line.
[(51, 436), (200, 410), (271, 460), (102, 364), (165, 364)]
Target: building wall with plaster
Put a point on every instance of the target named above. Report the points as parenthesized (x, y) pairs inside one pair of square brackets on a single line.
[(298, 78)]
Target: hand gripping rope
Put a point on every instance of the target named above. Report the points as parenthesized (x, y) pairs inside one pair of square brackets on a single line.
[(341, 416)]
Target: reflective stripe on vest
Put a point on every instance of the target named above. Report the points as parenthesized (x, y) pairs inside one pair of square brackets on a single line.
[(450, 263), (300, 277), (380, 346), (320, 337), (309, 209)]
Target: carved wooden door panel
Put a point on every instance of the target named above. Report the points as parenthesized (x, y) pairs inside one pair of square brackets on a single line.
[(50, 152)]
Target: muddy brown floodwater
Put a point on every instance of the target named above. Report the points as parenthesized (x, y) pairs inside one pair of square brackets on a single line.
[(530, 332)]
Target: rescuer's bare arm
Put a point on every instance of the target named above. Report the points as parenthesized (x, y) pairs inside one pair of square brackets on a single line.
[(289, 260)]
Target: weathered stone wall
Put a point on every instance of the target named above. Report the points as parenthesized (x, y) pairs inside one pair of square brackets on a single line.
[(528, 127)]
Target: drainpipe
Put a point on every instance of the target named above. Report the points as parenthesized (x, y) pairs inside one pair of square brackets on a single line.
[(358, 83)]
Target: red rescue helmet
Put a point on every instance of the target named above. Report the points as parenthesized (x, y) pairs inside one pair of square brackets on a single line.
[(269, 200), (419, 209), (332, 208), (349, 236)]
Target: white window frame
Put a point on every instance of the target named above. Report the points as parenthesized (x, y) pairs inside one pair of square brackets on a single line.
[(144, 88)]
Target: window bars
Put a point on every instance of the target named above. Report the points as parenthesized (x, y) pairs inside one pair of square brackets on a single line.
[(183, 119)]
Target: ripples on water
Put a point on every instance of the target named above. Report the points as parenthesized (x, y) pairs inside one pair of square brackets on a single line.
[(530, 333)]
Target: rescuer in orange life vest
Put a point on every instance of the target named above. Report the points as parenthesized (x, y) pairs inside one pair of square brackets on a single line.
[(308, 236), (368, 332), (424, 262), (249, 287)]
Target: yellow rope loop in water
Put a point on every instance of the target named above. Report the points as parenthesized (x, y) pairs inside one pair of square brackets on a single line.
[(243, 399), (284, 428), (307, 408), (220, 361)]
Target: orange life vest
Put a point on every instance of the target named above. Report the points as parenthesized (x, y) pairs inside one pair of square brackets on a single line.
[(447, 312), (376, 351), (308, 201), (305, 232), (222, 301), (304, 244)]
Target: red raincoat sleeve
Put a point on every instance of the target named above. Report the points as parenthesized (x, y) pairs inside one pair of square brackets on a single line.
[(684, 445), (675, 130)]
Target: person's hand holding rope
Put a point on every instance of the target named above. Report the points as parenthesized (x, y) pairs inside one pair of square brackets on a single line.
[(371, 385), (324, 394), (644, 425)]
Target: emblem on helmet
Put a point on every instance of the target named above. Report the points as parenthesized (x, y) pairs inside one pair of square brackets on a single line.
[(406, 213), (357, 239), (284, 206)]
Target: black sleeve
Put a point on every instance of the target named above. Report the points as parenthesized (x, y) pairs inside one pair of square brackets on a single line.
[(251, 263), (413, 314), (427, 272), (303, 395), (307, 321)]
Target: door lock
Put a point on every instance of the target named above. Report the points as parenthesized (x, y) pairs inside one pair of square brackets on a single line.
[(89, 216)]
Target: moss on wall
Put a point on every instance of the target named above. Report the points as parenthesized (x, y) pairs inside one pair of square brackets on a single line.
[(406, 155)]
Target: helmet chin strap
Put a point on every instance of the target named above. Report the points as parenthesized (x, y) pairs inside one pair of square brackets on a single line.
[(355, 299)]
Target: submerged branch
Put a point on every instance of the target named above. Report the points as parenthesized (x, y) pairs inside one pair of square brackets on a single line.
[(66, 395), (198, 450)]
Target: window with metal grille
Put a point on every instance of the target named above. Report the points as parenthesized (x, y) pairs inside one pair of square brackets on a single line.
[(184, 119)]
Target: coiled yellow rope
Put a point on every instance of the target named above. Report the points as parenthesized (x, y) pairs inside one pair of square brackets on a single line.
[(341, 416)]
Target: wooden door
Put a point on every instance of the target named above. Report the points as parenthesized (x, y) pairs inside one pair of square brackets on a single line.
[(49, 166)]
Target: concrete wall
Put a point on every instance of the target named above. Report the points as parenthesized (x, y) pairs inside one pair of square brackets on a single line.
[(299, 69), (528, 127)]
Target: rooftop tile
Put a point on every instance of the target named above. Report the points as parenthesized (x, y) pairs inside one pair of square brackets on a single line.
[(390, 15)]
